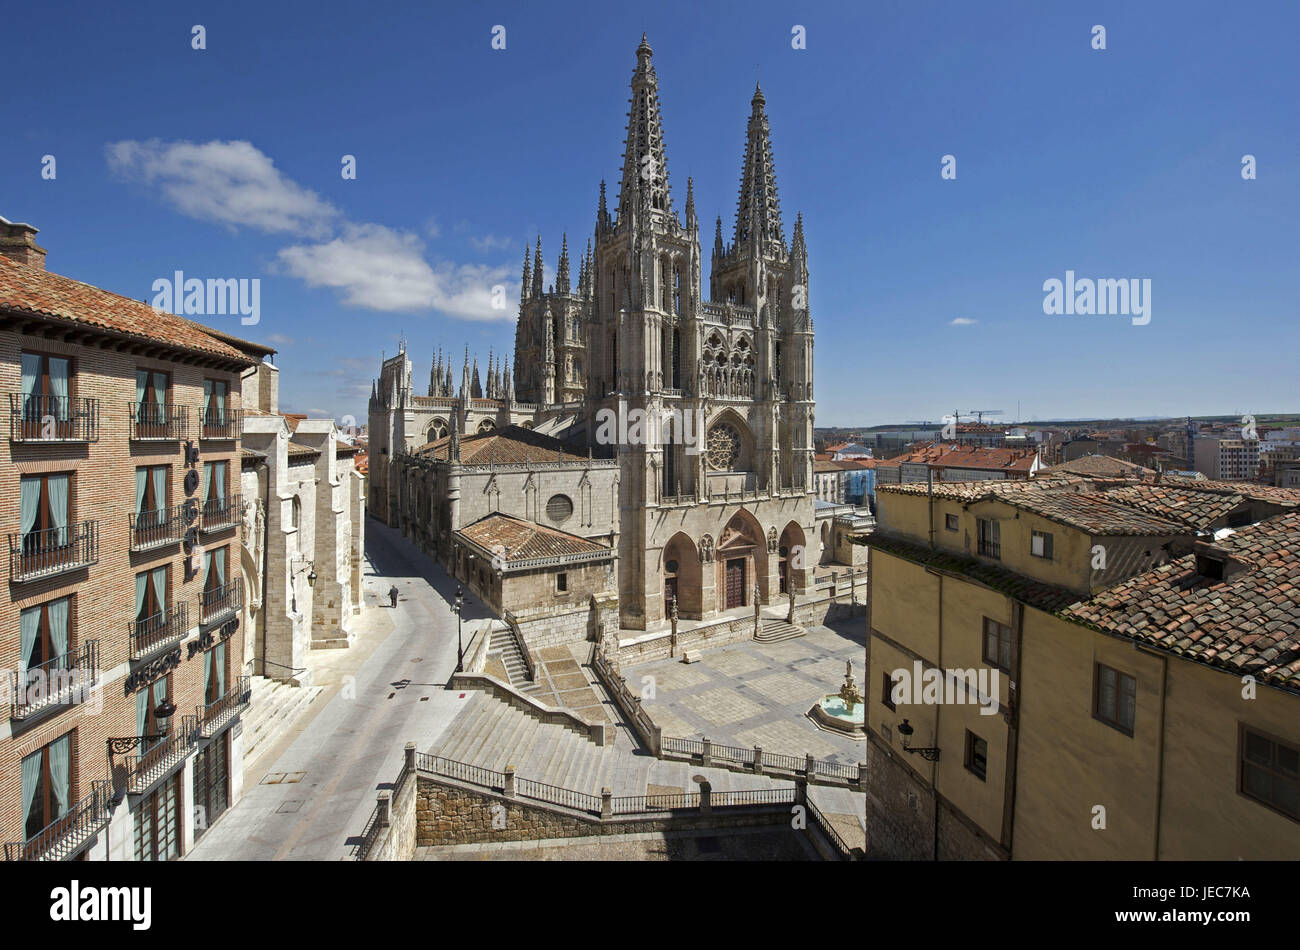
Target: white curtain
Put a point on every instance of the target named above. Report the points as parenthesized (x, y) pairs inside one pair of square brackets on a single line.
[(207, 676), (160, 393), (141, 586), (219, 469), (141, 711), (207, 398), (31, 779), (140, 476), (159, 577), (60, 759), (219, 558), (58, 619), (31, 372), (59, 387), (141, 381), (57, 486), (160, 492), (29, 623), (29, 502), (207, 479), (207, 568), (219, 662), (221, 399), (159, 695)]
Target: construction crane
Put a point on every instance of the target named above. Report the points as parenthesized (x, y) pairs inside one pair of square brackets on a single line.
[(979, 414)]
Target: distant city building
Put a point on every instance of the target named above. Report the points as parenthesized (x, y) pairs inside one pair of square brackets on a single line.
[(1232, 459), (957, 463)]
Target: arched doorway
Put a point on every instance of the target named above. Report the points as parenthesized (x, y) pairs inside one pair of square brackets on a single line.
[(682, 576), (794, 558), (742, 562)]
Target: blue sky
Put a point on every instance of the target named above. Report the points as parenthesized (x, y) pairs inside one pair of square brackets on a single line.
[(1122, 163)]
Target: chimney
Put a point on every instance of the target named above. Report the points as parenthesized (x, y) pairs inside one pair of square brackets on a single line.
[(18, 243)]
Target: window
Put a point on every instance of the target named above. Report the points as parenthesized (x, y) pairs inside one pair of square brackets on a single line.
[(887, 691), (997, 645), (214, 486), (211, 792), (990, 538), (950, 522), (46, 786), (45, 382), (215, 392), (977, 756), (157, 823), (559, 508), (214, 674), (1270, 772), (43, 637), (147, 700), (151, 403), (1040, 545), (44, 517), (561, 583), (1116, 698)]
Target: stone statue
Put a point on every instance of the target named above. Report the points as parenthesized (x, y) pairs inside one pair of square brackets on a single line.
[(789, 590)]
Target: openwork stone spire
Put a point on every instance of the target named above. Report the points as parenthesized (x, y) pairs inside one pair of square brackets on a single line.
[(645, 166), (562, 271), (758, 211)]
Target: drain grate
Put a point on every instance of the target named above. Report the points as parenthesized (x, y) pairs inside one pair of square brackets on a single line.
[(283, 778), (288, 808)]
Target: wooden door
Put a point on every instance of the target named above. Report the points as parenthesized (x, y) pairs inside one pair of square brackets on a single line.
[(736, 582)]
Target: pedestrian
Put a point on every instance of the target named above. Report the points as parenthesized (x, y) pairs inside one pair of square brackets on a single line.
[(392, 595)]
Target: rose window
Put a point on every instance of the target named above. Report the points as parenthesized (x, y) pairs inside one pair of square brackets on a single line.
[(722, 449)]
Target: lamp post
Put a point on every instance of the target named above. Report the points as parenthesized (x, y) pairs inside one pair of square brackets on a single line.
[(929, 753), (460, 650)]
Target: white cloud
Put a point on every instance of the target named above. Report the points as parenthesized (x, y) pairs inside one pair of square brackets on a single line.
[(490, 242), (279, 339), (379, 268), (232, 183), (962, 322)]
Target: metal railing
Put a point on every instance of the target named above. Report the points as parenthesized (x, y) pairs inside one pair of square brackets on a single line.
[(151, 422), (59, 681), (160, 526), (164, 755), (753, 796), (782, 762), (555, 795), (836, 839), (66, 835), (834, 769), (53, 550), (164, 628), (222, 423), (213, 716), (691, 747), (460, 770), (222, 602), (221, 513), (41, 418), (735, 754), (640, 804)]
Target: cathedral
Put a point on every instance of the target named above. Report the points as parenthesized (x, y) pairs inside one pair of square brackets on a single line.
[(517, 487)]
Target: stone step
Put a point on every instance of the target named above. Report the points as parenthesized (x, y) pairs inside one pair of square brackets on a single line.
[(773, 630), (273, 709)]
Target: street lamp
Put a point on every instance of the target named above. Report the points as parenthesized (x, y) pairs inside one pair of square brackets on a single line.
[(162, 715), (460, 650), (929, 753)]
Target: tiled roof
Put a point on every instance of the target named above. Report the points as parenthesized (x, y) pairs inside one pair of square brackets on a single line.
[(966, 456), (1199, 509), (513, 444), (1097, 465), (826, 466), (1047, 597), (31, 290), (1249, 622), (517, 540)]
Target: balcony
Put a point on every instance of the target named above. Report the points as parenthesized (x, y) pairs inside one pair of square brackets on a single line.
[(164, 755), (151, 422), (53, 551), (63, 680), (222, 423), (68, 834), (152, 529), (164, 629), (214, 716), (221, 603), (221, 513), (53, 418)]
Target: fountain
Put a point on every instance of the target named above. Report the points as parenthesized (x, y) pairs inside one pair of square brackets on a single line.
[(842, 712)]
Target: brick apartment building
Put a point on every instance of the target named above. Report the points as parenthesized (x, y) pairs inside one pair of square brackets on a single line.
[(120, 508)]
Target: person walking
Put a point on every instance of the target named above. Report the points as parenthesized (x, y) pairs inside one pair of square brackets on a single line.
[(392, 595)]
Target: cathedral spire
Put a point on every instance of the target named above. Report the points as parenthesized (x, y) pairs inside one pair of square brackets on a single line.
[(491, 391), (758, 211), (527, 279), (537, 269), (718, 250), (562, 272), (476, 386), (690, 202), (645, 167)]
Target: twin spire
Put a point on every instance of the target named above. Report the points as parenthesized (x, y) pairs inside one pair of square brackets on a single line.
[(531, 285)]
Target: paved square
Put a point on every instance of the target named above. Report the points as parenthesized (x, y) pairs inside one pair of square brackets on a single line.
[(750, 693)]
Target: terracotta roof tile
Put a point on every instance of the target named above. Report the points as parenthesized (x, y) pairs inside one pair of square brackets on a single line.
[(31, 290), (518, 540), (513, 444)]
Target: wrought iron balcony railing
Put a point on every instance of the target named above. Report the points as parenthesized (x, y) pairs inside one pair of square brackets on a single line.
[(221, 603), (160, 758), (219, 513), (150, 529), (39, 418), (222, 423), (214, 716), (64, 680), (62, 838), (52, 551), (165, 628), (152, 422)]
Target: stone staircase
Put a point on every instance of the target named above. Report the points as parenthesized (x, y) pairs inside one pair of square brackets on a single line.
[(504, 644), (773, 629), (272, 710)]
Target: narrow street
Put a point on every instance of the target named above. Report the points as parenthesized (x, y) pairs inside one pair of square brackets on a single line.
[(385, 690)]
